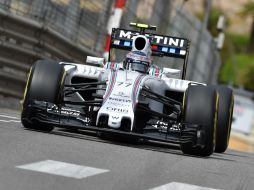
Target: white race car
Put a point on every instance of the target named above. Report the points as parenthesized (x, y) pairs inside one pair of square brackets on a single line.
[(131, 97)]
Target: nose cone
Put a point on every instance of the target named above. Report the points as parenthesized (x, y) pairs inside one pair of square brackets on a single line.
[(114, 121)]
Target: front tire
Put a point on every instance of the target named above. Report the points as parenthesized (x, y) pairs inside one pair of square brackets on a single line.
[(44, 84), (200, 107)]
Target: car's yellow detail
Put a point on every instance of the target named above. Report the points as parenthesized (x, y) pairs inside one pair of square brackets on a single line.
[(145, 26), (216, 118), (26, 87)]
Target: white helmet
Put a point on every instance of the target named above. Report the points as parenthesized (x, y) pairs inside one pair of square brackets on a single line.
[(139, 59)]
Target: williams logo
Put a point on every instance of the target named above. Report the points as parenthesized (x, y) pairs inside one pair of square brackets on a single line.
[(114, 117)]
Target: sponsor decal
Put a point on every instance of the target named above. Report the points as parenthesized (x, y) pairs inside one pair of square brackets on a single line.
[(120, 100), (124, 83), (121, 94), (166, 40), (68, 111), (65, 111), (127, 34), (119, 110), (118, 104)]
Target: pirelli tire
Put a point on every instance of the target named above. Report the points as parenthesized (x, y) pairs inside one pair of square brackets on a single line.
[(200, 107), (225, 112), (44, 83)]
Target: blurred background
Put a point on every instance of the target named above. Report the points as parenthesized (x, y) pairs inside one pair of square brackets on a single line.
[(221, 34)]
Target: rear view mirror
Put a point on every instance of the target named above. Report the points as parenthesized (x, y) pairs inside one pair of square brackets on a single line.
[(98, 61)]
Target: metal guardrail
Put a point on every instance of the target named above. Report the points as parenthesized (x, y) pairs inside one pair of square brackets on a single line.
[(82, 22), (24, 41), (48, 29)]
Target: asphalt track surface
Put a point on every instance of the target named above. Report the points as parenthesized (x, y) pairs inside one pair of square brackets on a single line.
[(64, 160)]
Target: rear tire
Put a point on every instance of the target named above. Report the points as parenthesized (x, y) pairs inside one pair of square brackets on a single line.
[(44, 83), (225, 111), (200, 107)]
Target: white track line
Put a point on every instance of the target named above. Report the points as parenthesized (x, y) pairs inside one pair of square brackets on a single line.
[(180, 186), (9, 121), (8, 116), (63, 169)]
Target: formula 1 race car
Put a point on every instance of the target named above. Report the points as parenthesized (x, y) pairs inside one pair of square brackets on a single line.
[(130, 97)]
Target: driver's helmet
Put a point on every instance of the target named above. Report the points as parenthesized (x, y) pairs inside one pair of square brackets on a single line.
[(137, 61)]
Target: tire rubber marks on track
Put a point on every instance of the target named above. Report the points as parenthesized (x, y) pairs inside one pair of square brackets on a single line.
[(63, 169), (8, 119), (180, 186)]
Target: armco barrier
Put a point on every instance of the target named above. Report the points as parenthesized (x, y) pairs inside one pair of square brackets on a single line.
[(24, 41)]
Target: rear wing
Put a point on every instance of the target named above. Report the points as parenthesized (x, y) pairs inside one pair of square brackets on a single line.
[(161, 45)]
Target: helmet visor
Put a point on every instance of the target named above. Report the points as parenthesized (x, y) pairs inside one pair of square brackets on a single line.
[(139, 66)]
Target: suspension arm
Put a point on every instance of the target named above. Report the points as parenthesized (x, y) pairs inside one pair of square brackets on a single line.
[(145, 109), (175, 109), (162, 97), (72, 91), (84, 84)]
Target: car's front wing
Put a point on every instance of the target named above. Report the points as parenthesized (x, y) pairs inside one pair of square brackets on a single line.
[(44, 113)]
